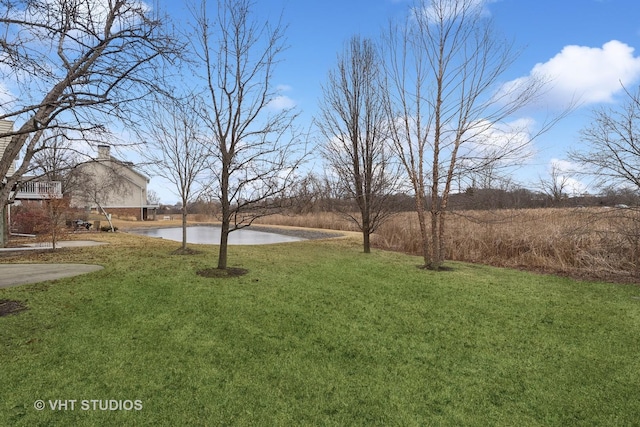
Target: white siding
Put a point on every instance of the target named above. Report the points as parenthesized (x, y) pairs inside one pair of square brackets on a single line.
[(126, 190), (6, 126)]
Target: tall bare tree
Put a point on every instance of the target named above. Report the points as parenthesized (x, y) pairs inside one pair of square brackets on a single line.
[(613, 144), (444, 63), (252, 144), (555, 186), (352, 121), (72, 65), (174, 148)]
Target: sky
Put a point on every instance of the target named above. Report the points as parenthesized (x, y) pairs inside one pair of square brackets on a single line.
[(588, 46)]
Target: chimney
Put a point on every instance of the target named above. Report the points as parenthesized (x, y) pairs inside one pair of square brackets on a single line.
[(104, 152)]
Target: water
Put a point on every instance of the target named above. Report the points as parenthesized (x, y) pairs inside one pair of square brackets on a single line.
[(210, 235)]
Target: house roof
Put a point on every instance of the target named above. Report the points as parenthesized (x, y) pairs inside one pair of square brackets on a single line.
[(104, 154), (128, 165)]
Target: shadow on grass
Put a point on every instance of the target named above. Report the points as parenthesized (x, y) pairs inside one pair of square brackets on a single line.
[(222, 273), (431, 268), (8, 307), (185, 251)]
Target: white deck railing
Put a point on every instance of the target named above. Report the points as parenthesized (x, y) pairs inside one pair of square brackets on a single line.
[(40, 190)]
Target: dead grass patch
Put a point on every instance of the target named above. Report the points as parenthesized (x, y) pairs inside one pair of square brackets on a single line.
[(185, 251), (226, 273), (8, 307)]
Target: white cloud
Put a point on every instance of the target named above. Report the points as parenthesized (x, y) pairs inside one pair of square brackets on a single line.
[(284, 88), (564, 171), (563, 166), (586, 74), (88, 21), (576, 187), (511, 140), (450, 9), (503, 145), (282, 102)]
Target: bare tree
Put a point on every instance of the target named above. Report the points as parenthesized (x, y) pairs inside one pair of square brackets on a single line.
[(612, 158), (99, 183), (56, 160), (309, 194), (72, 65), (353, 123), (153, 198), (252, 146), (57, 211), (446, 117), (613, 141), (174, 149), (556, 184)]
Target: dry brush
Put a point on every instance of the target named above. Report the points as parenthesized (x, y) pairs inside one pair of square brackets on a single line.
[(594, 242)]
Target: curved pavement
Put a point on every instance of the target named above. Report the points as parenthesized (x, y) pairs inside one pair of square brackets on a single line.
[(22, 274)]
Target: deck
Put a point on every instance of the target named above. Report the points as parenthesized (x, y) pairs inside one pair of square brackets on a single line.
[(39, 190)]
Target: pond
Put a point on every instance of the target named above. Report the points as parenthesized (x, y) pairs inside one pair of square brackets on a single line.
[(210, 235)]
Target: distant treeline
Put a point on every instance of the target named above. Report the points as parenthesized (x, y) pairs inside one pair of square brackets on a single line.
[(471, 199)]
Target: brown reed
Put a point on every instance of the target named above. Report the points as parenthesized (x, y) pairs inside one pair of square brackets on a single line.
[(588, 241)]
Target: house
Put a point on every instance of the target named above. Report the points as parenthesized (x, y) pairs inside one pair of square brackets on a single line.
[(107, 184), (29, 187)]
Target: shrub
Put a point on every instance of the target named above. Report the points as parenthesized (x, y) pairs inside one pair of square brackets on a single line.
[(26, 218)]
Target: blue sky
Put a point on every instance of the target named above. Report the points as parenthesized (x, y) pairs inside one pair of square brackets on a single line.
[(589, 46)]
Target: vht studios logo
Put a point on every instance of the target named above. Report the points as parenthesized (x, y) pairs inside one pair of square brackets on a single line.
[(88, 405)]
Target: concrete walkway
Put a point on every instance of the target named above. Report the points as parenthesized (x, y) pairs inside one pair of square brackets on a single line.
[(47, 245), (22, 274)]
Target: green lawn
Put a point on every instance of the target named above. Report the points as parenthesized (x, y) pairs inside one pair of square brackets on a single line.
[(317, 333)]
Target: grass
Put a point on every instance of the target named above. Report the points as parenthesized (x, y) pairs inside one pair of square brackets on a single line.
[(316, 333)]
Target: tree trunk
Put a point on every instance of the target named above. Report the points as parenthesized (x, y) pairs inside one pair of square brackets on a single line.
[(423, 230), (435, 214), (54, 239), (53, 216), (4, 227), (366, 228), (106, 215), (184, 226), (224, 240), (366, 238), (443, 208), (441, 244), (435, 241), (226, 213)]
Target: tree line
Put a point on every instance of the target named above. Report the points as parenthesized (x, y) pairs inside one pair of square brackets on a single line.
[(322, 198)]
